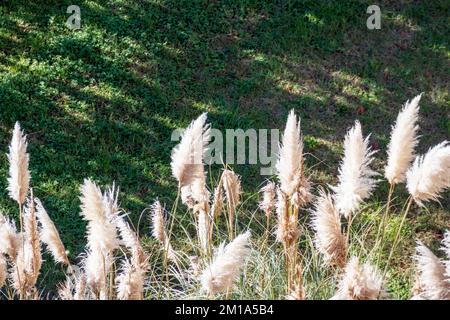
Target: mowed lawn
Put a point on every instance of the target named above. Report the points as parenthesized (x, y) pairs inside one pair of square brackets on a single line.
[(102, 101)]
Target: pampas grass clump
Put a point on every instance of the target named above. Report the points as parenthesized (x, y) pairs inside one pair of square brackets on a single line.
[(316, 250)]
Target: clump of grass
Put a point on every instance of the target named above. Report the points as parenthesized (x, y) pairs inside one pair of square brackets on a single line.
[(334, 253)]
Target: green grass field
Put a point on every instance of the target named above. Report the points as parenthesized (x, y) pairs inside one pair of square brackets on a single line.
[(102, 101)]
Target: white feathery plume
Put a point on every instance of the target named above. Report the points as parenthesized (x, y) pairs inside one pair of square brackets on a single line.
[(96, 265), (290, 164), (80, 287), (130, 282), (360, 282), (187, 156), (431, 281), (430, 174), (186, 197), (269, 198), (19, 175), (33, 257), (50, 235), (65, 290), (329, 239), (159, 229), (226, 266), (28, 262), (355, 176), (100, 212), (10, 240), (232, 186), (74, 287), (403, 142), (158, 222)]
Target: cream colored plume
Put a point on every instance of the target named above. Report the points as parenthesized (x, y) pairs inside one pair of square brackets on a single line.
[(10, 240), (290, 164), (187, 156), (355, 176), (288, 229), (430, 174), (65, 290), (431, 282), (186, 197), (403, 142), (74, 287), (217, 206), (159, 229), (130, 282), (50, 235), (96, 266), (360, 282), (158, 222), (27, 265), (232, 186), (226, 266), (19, 176), (329, 239), (268, 202), (100, 212), (80, 287)]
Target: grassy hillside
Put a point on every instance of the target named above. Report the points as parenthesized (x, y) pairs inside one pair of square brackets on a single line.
[(102, 101)]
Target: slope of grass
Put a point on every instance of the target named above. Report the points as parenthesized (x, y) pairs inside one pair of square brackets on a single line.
[(102, 101)]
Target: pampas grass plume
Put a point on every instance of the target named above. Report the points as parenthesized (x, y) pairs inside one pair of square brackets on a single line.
[(19, 176), (430, 174), (50, 235), (290, 164), (187, 156), (268, 202), (329, 239), (10, 240), (431, 282), (130, 282), (100, 212), (355, 176), (360, 282), (225, 268), (403, 142)]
